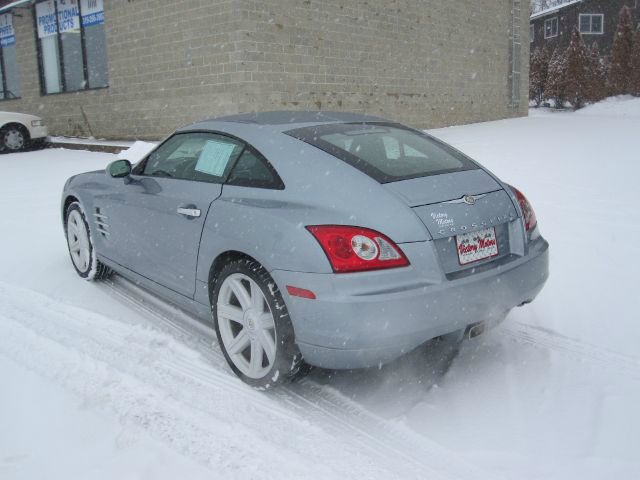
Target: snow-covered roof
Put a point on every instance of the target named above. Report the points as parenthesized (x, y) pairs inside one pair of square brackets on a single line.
[(19, 3), (554, 9)]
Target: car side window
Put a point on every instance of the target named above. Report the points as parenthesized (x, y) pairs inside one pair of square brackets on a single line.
[(252, 170), (198, 156)]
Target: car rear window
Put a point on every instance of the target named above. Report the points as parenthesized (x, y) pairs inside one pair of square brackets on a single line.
[(386, 152)]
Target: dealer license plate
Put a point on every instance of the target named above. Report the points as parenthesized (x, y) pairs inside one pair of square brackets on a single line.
[(476, 245)]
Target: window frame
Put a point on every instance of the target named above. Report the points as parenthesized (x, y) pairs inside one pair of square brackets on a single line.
[(591, 15), (278, 184), (557, 23), (3, 67), (83, 47), (532, 32)]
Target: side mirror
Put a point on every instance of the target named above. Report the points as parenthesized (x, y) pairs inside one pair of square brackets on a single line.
[(119, 168)]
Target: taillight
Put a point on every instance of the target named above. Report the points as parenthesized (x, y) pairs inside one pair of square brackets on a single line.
[(528, 214), (355, 249)]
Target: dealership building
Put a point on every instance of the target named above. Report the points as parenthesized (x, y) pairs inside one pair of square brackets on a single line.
[(141, 68)]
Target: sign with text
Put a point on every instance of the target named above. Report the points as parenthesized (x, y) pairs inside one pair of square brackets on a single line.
[(92, 12), (7, 35), (68, 17), (46, 19)]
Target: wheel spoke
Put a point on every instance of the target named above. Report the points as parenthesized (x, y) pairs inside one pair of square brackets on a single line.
[(74, 246), (241, 294), (85, 258), (239, 343), (230, 312), (255, 364), (73, 228), (257, 299), (268, 345), (266, 321)]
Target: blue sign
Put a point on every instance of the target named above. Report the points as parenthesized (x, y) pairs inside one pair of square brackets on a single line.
[(92, 12), (7, 35)]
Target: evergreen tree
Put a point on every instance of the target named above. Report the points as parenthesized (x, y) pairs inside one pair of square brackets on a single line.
[(577, 81), (556, 79), (538, 75), (597, 75), (620, 72), (635, 65)]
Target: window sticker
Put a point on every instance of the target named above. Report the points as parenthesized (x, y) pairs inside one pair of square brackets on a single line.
[(214, 157)]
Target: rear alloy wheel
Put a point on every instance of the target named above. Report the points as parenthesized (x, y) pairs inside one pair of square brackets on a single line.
[(81, 247), (253, 327), (13, 138)]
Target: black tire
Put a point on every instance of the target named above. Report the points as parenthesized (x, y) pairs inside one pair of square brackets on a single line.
[(288, 363), (14, 138), (95, 269)]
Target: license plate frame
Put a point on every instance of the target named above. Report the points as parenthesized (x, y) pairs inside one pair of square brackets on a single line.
[(476, 246)]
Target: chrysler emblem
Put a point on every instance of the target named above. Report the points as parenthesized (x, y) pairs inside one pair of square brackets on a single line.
[(468, 199)]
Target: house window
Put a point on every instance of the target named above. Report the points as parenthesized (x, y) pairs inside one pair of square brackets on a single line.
[(71, 45), (551, 27), (592, 23), (532, 32), (10, 86)]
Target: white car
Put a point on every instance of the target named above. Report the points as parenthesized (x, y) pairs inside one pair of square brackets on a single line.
[(20, 130)]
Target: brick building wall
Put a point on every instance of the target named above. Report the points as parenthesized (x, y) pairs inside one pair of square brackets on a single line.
[(426, 63)]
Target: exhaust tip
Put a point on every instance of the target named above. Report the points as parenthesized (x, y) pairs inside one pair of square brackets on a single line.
[(475, 329)]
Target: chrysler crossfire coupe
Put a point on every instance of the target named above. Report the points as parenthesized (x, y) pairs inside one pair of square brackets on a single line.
[(311, 238)]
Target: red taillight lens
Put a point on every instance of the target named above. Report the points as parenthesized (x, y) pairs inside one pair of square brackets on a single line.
[(528, 215), (355, 249)]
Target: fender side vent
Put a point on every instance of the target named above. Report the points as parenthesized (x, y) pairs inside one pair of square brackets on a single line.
[(101, 223)]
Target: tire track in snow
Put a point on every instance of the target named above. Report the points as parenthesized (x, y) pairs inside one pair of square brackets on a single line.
[(344, 417), (575, 349), (157, 383), (128, 369)]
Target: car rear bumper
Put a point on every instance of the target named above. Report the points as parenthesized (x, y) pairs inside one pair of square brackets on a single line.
[(365, 319)]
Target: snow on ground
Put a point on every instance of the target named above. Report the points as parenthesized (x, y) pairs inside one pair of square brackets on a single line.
[(107, 381)]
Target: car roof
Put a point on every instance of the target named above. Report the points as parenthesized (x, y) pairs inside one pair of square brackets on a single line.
[(248, 125), (290, 117)]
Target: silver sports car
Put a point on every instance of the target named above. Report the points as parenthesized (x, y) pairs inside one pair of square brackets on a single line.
[(331, 239)]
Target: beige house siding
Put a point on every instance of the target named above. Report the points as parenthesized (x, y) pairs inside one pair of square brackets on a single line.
[(425, 63)]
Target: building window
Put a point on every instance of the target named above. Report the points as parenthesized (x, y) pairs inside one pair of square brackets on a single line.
[(551, 27), (71, 45), (532, 33), (592, 23), (10, 86)]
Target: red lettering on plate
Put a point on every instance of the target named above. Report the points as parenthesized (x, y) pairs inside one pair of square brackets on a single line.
[(468, 249), (486, 242)]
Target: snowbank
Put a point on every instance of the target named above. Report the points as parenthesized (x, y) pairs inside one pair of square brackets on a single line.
[(621, 106)]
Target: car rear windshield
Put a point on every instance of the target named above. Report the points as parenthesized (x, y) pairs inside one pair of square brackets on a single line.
[(386, 152)]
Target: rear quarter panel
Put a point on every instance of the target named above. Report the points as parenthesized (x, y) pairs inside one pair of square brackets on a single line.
[(269, 225)]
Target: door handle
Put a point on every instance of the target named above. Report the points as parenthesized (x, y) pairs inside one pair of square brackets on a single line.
[(189, 212)]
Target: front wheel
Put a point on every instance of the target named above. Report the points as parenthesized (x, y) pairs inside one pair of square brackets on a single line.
[(253, 326), (83, 255), (13, 138)]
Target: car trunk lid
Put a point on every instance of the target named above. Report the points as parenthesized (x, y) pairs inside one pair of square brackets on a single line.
[(454, 204)]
